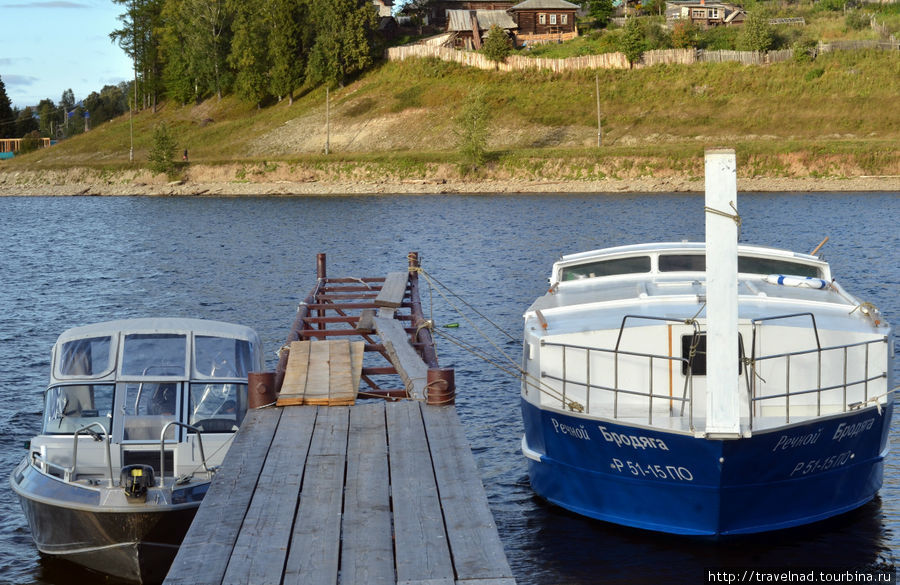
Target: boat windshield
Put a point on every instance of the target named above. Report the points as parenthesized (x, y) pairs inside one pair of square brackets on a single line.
[(91, 357), (154, 354), (69, 408), (147, 407), (217, 408), (222, 357)]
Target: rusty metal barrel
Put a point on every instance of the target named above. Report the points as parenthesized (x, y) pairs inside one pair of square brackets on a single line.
[(441, 386), (260, 389)]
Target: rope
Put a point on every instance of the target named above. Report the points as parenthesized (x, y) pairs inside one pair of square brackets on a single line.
[(736, 217), (875, 399), (187, 476)]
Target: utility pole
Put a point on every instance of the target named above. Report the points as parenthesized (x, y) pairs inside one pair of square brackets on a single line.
[(133, 70), (327, 119), (599, 127)]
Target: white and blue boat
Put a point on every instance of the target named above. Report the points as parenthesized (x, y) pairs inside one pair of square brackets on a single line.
[(137, 416), (705, 388)]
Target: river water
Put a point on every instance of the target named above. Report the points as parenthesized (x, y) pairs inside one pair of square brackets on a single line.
[(73, 261)]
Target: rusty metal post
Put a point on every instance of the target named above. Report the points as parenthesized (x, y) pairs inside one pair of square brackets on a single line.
[(413, 258), (320, 265), (441, 386), (260, 389)]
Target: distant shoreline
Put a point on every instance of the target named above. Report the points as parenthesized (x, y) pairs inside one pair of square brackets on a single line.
[(15, 184)]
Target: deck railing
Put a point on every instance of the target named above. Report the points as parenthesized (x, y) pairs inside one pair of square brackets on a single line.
[(584, 379)]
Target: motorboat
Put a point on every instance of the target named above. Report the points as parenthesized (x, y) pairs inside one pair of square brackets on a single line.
[(137, 416), (705, 388)]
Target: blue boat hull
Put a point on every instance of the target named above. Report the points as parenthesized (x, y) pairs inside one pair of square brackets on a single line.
[(676, 483)]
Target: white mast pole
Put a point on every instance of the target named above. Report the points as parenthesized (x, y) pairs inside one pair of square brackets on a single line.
[(722, 379)]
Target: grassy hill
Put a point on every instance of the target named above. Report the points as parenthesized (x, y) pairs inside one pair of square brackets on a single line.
[(836, 117)]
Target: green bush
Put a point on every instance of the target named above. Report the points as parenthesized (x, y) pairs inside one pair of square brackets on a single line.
[(814, 74), (856, 20), (472, 128), (497, 45), (30, 142), (804, 50), (162, 153)]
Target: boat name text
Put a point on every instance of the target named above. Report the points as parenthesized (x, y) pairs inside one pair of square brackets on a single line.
[(824, 464), (633, 441), (648, 470), (578, 432), (786, 442), (845, 431)]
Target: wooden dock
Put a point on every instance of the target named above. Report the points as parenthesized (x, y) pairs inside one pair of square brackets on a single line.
[(374, 492)]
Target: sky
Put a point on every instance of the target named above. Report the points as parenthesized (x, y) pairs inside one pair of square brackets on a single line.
[(49, 46)]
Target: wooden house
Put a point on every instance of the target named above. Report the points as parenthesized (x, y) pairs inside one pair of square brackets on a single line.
[(544, 20), (470, 26), (437, 9), (705, 14)]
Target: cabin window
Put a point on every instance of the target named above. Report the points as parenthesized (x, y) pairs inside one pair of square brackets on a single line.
[(156, 354), (552, 19), (698, 364), (753, 265), (698, 14), (682, 262), (69, 408), (612, 267), (147, 407), (746, 264), (222, 357), (217, 408), (85, 357), (542, 18), (564, 19)]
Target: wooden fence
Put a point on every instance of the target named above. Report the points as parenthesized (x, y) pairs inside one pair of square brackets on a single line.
[(618, 60)]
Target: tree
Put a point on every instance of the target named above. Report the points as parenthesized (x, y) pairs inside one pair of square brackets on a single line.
[(26, 122), (249, 49), (633, 41), (497, 45), (472, 128), (195, 43), (601, 11), (162, 153), (757, 34), (48, 117), (290, 40), (684, 34), (7, 117), (344, 40), (140, 38)]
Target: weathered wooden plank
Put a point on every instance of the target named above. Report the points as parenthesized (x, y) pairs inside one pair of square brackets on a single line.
[(215, 528), (421, 542), (357, 352), (296, 371), (366, 323), (259, 554), (404, 358), (319, 376), (474, 542), (502, 581), (340, 376), (367, 552), (315, 543), (393, 290)]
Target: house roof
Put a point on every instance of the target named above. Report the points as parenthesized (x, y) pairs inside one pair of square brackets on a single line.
[(545, 5), (461, 20)]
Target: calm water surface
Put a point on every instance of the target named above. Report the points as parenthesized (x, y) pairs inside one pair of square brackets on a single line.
[(73, 261)]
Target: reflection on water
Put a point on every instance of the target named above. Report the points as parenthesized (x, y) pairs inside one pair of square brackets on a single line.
[(75, 261)]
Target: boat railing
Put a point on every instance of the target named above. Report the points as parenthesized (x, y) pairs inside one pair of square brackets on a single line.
[(820, 352), (162, 449), (69, 474), (685, 400)]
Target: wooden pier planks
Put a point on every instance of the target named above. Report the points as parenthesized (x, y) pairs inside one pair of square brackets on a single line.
[(404, 358), (374, 493), (323, 373), (393, 290)]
